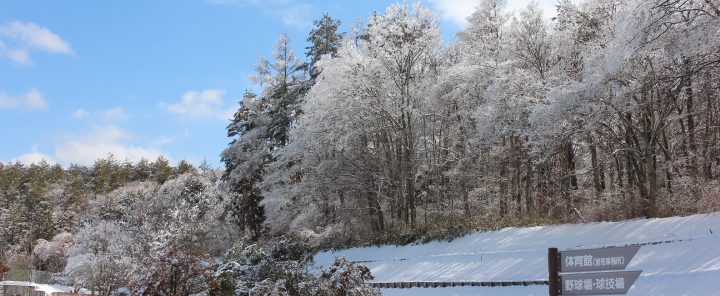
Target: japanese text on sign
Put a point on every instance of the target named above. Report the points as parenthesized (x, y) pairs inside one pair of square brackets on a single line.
[(612, 283), (614, 258), (598, 283), (589, 260)]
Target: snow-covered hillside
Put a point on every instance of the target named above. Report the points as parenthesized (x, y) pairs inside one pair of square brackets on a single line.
[(679, 256)]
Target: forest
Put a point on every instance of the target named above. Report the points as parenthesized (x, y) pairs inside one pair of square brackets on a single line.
[(388, 134)]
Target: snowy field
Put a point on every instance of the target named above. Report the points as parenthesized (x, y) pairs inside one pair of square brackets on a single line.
[(679, 256), (48, 289)]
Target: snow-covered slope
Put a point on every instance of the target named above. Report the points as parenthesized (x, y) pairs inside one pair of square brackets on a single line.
[(48, 289), (679, 256)]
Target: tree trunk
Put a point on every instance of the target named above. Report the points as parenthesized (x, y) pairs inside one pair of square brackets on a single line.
[(630, 167), (376, 214), (668, 162), (464, 192), (691, 127), (598, 175), (648, 160), (517, 194), (503, 190), (709, 121), (649, 163), (570, 164), (529, 206)]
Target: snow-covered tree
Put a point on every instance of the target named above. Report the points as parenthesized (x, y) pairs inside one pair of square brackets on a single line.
[(324, 39), (162, 237), (634, 91), (261, 126), (52, 255), (101, 258), (245, 162), (284, 83), (530, 42), (360, 132), (345, 278), (283, 268)]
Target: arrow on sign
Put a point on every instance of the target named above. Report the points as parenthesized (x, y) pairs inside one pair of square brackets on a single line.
[(598, 283), (613, 258)]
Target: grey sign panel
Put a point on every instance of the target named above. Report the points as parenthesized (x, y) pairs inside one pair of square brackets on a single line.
[(614, 258), (598, 283)]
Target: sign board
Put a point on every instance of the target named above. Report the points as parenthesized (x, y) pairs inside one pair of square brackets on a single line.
[(598, 283), (613, 258)]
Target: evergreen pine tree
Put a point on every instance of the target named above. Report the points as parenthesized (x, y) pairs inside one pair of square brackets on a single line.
[(161, 170), (244, 162), (285, 85), (324, 40)]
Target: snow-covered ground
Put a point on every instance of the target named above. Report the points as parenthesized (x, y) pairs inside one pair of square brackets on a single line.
[(48, 289), (679, 256)]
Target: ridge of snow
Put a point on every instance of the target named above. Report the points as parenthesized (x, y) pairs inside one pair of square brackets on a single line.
[(679, 256)]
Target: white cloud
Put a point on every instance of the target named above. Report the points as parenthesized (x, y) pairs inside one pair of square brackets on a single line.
[(113, 114), (21, 37), (33, 157), (204, 104), (293, 13), (224, 2), (31, 100), (20, 56), (457, 11), (80, 113), (36, 37), (297, 15), (164, 140), (34, 100), (107, 115), (86, 148)]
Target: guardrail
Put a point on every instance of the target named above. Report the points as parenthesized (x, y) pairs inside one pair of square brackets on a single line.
[(404, 285)]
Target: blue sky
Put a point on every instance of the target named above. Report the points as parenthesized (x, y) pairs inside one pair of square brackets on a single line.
[(81, 79)]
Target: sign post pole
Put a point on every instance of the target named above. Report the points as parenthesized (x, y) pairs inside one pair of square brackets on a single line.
[(553, 271)]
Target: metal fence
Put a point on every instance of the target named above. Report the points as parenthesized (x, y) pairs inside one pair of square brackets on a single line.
[(28, 275), (21, 290), (404, 285)]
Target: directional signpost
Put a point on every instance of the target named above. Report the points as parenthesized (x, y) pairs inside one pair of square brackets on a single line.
[(570, 271)]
